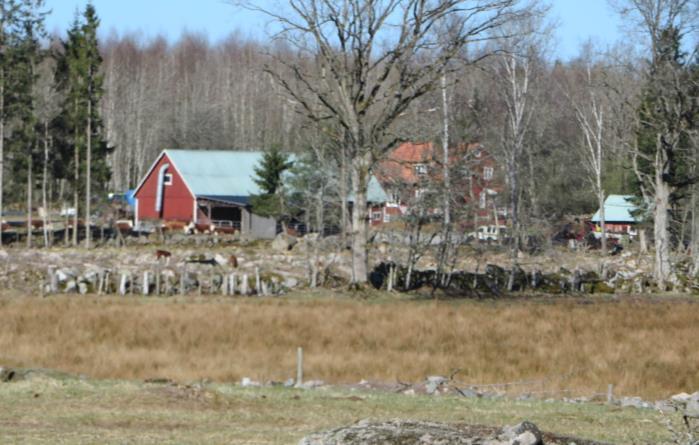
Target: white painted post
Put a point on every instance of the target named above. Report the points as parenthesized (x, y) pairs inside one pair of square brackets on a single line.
[(610, 394), (122, 285), (258, 288), (53, 277), (244, 285), (146, 284), (224, 284), (233, 279), (299, 366)]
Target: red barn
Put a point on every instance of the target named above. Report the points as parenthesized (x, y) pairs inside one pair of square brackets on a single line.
[(210, 189)]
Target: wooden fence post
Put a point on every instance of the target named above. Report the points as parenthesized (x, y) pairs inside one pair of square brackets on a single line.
[(610, 394)]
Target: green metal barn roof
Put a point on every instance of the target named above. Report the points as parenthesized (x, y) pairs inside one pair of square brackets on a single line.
[(617, 208), (221, 173), (217, 172)]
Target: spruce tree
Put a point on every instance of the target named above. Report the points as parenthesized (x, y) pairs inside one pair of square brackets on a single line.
[(23, 142), (269, 177), (667, 117), (16, 17), (79, 127)]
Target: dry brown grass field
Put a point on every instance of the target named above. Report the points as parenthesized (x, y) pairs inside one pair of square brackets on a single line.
[(644, 347)]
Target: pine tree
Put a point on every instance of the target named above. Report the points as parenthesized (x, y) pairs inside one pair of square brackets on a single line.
[(269, 176)]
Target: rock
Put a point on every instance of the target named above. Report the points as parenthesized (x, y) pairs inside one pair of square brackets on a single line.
[(692, 409), (290, 282), (664, 406), (283, 242), (681, 398), (392, 432), (525, 433), (434, 382), (469, 393), (64, 275), (634, 402), (366, 432), (311, 384), (220, 259), (71, 286), (247, 382)]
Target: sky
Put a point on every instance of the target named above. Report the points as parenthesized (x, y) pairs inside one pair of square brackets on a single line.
[(578, 20)]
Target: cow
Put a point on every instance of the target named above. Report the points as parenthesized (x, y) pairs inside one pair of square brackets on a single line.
[(163, 254), (233, 261)]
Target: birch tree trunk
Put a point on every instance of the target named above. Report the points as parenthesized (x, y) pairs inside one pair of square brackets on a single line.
[(76, 188), (2, 147), (30, 178), (44, 182), (661, 232), (88, 175)]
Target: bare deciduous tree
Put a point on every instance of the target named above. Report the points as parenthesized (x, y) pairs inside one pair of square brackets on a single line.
[(367, 62)]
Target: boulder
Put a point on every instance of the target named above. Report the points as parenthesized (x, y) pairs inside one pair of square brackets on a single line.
[(434, 382), (392, 432), (409, 432), (283, 242), (290, 282), (634, 402), (525, 433), (692, 408), (64, 275)]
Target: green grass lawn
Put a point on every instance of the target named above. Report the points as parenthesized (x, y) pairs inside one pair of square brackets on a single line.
[(70, 411)]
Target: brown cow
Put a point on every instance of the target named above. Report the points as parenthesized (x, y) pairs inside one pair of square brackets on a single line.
[(233, 261), (162, 254)]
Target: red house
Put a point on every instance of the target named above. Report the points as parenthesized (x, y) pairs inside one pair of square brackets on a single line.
[(409, 170), (210, 189)]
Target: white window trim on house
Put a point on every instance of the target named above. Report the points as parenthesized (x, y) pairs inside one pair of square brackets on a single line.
[(483, 199), (488, 173), (421, 169), (167, 179), (377, 216)]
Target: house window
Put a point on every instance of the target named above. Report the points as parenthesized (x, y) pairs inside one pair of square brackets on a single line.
[(483, 199), (419, 193), (488, 173), (386, 218), (377, 216), (421, 169), (167, 179)]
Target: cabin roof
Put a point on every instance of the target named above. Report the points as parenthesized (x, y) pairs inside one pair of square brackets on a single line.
[(618, 208)]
